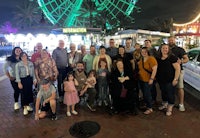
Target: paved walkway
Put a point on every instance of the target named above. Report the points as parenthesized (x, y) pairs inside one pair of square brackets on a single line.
[(157, 125)]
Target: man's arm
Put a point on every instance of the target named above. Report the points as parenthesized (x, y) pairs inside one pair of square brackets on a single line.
[(37, 105), (185, 59)]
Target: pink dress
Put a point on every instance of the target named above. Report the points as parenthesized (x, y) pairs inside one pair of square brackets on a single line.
[(71, 94)]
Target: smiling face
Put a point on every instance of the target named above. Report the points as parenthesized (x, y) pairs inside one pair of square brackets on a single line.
[(120, 65), (23, 56), (144, 53), (121, 50), (18, 51), (44, 54), (165, 49)]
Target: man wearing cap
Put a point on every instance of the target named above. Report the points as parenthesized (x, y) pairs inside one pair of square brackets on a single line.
[(46, 96)]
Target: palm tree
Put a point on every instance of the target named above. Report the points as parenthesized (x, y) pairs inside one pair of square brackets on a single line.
[(27, 15), (159, 24)]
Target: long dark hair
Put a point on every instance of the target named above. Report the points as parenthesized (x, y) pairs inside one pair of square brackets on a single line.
[(68, 74), (12, 58)]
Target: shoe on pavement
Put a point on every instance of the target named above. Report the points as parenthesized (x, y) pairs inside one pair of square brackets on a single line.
[(105, 103), (91, 108), (148, 111), (168, 113), (100, 103), (74, 112), (29, 108), (164, 106), (68, 114), (25, 111), (54, 117), (181, 108), (16, 106)]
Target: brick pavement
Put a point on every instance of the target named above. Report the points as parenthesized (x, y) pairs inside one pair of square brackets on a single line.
[(157, 125)]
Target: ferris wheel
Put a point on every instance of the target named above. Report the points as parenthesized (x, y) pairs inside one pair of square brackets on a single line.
[(68, 13)]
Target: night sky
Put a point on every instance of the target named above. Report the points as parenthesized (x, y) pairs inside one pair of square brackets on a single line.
[(180, 10)]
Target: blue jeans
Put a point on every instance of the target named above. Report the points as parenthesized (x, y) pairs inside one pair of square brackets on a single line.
[(146, 90), (168, 92)]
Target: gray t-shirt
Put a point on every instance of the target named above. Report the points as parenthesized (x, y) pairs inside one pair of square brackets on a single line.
[(42, 94)]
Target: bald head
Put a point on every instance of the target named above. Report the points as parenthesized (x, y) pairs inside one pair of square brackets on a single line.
[(61, 44)]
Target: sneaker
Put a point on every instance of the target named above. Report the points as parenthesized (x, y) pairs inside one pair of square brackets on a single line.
[(181, 108), (148, 111), (90, 107), (100, 103), (105, 103), (25, 111), (29, 108), (68, 114), (54, 117), (74, 112), (16, 106)]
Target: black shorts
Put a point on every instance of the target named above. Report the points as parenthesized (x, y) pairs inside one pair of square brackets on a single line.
[(46, 108)]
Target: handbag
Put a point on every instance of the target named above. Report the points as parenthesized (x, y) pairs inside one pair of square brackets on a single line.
[(123, 92)]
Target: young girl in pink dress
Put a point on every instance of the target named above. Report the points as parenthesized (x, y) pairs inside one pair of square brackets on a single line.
[(71, 94)]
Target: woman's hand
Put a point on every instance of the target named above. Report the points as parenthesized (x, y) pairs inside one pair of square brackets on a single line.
[(150, 81)]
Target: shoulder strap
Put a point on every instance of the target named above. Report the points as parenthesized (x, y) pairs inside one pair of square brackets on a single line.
[(145, 68)]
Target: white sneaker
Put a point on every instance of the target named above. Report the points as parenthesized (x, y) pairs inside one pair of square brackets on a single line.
[(74, 112), (68, 114), (100, 103), (29, 108), (25, 111), (181, 108), (105, 103), (16, 106)]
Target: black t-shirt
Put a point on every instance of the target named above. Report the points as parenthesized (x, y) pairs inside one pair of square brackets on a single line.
[(179, 53), (166, 71)]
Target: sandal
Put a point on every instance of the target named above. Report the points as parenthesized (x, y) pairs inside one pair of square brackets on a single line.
[(168, 113), (162, 107), (148, 111)]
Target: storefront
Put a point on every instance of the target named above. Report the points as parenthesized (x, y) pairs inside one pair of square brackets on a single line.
[(188, 34)]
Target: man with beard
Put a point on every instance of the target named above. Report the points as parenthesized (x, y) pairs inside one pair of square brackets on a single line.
[(182, 59), (81, 77)]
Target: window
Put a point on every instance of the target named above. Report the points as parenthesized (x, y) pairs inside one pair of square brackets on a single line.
[(193, 54), (198, 60)]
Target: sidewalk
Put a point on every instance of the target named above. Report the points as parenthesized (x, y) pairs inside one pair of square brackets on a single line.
[(156, 125)]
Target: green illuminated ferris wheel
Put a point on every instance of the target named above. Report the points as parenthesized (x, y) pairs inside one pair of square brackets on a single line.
[(86, 13)]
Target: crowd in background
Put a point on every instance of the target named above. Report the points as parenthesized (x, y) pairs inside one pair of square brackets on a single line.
[(112, 76)]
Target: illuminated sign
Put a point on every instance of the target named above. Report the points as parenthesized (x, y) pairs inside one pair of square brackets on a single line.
[(74, 30)]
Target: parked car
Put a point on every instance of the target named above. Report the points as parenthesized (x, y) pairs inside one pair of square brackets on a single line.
[(192, 68)]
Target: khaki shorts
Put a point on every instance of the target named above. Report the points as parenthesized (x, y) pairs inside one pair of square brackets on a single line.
[(180, 80)]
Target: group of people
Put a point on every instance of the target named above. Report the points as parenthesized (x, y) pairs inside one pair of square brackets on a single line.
[(112, 77)]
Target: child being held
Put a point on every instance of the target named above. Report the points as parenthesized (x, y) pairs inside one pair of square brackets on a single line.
[(90, 89)]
